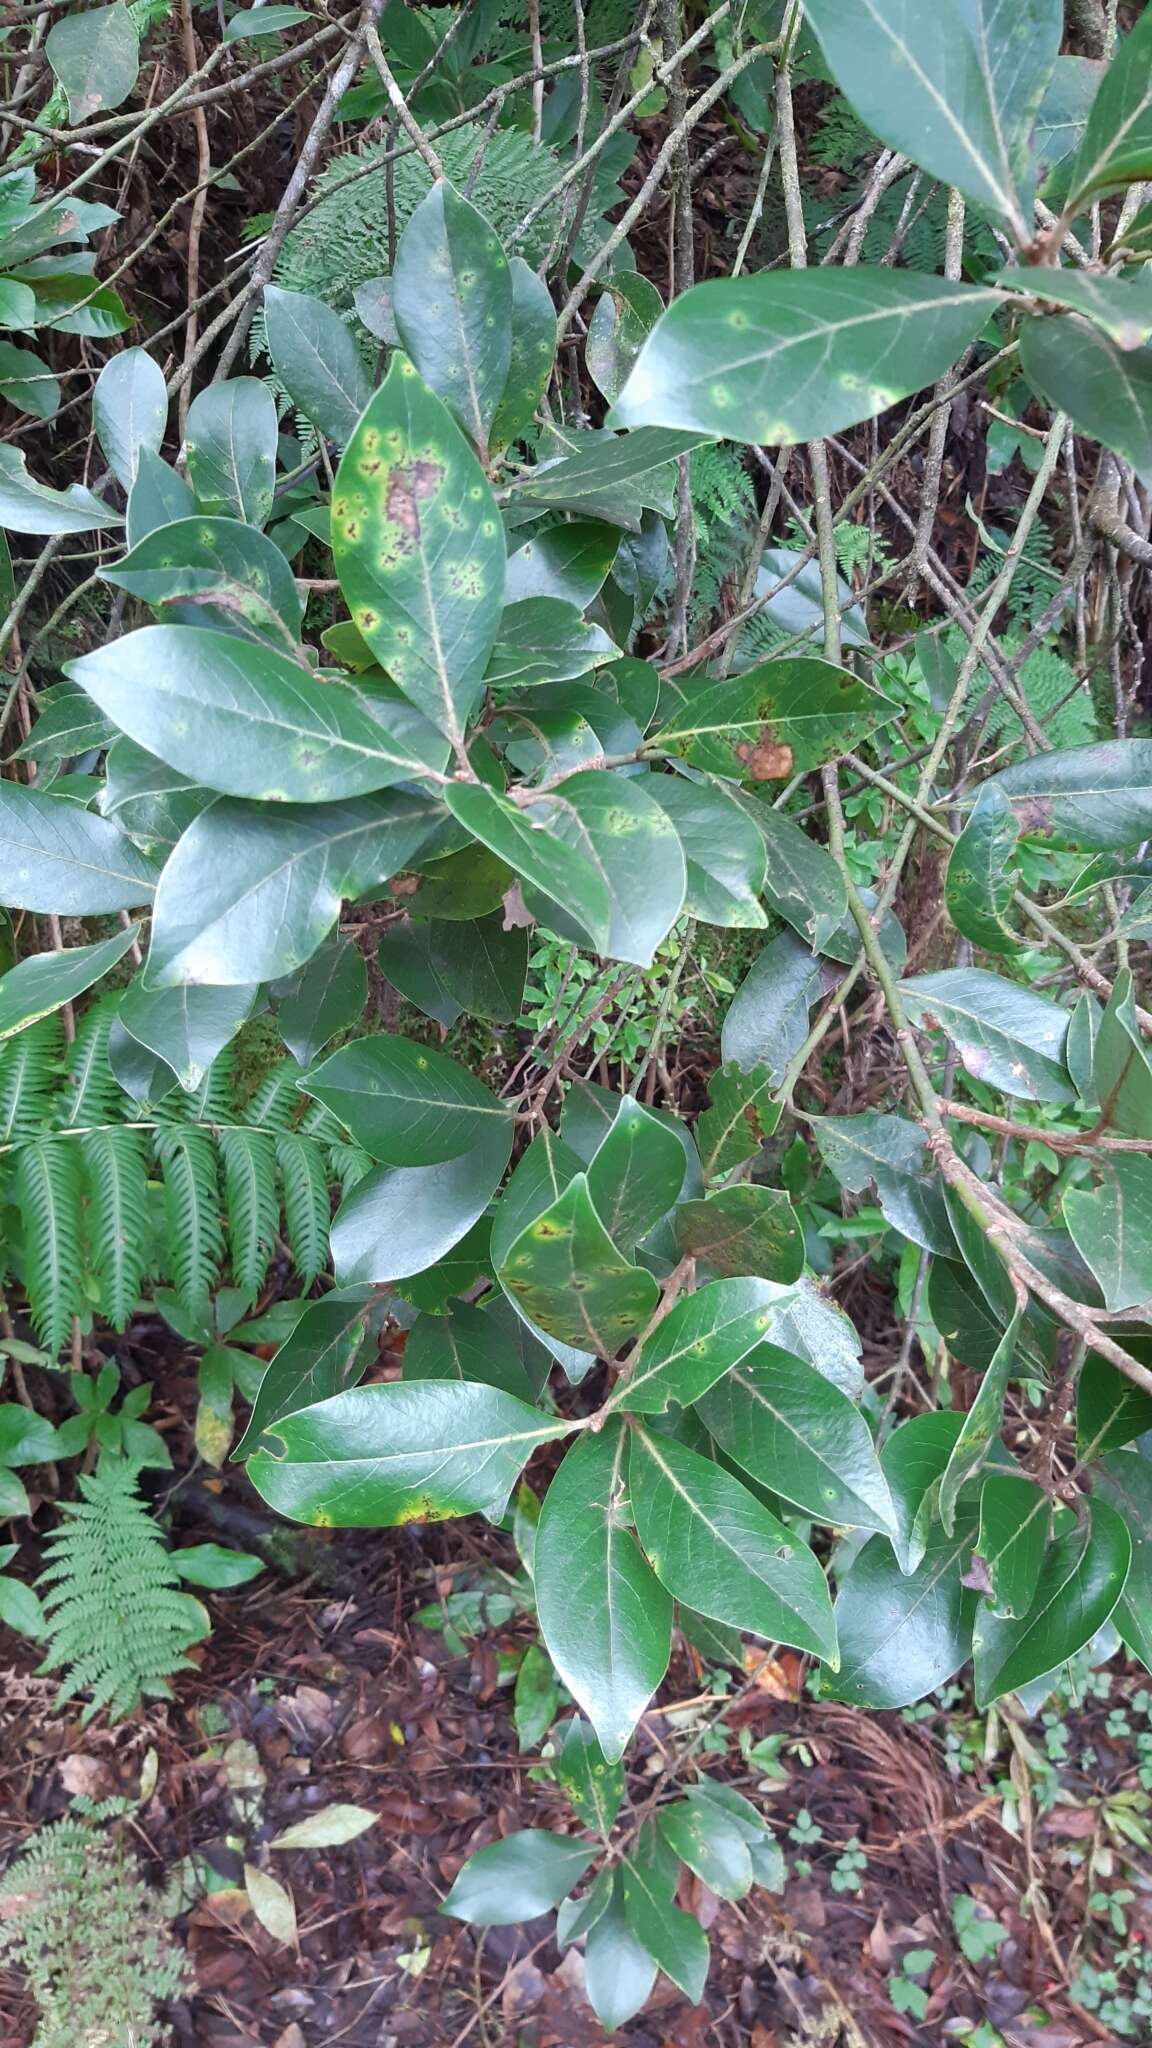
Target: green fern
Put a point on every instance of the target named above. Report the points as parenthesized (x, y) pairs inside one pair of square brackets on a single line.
[(91, 1937), (307, 1203), (188, 1161), (251, 1204), (48, 1194), (28, 1069), (118, 1625), (276, 1102), (117, 1218), (91, 1093)]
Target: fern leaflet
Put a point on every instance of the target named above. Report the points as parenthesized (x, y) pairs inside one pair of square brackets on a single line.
[(307, 1207), (192, 1210), (117, 1218), (251, 1202), (48, 1190)]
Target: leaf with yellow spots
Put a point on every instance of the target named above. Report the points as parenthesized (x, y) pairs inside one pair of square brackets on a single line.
[(706, 1334), (411, 1450), (419, 548), (567, 1275), (782, 718), (452, 303)]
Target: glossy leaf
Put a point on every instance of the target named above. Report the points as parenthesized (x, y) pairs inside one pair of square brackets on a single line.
[(481, 966), (248, 721), (405, 1451), (912, 1460), (708, 1840), (593, 1788), (1121, 1069), (157, 498), (635, 1174), (405, 1103), (616, 477), (45, 981), (979, 883), (576, 1917), (788, 355), (956, 87), (1106, 390), (566, 1274), (1080, 1582), (477, 1344), (1110, 1410), (1006, 1035), (1119, 307), (767, 1020), (618, 1971), (889, 1154), (570, 562), (215, 572), (326, 1351), (802, 882), (605, 1618), (778, 719), (57, 858), (1124, 1481), (545, 640), (452, 304), (711, 1541), (96, 58), (797, 1434), (1013, 1535), (323, 997), (186, 1026), (704, 1335), (676, 1939), (723, 851), (316, 361), (230, 449), (902, 1636), (518, 1878), (30, 507), (741, 1115), (400, 1220), (531, 355), (129, 411), (626, 312), (744, 1229), (419, 548), (1117, 145), (981, 1425), (1111, 1226)]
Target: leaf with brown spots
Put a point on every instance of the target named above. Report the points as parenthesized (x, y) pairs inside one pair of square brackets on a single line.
[(419, 548), (782, 718)]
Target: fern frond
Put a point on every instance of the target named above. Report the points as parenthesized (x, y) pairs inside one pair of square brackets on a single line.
[(251, 1202), (307, 1205), (192, 1209), (319, 1122), (274, 1105), (91, 1093), (117, 1218), (118, 1625), (347, 1164), (213, 1102), (27, 1075), (48, 1191)]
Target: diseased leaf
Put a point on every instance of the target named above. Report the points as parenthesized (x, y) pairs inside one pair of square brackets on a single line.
[(701, 1337), (741, 1116), (635, 1174), (1014, 1516), (272, 1904), (215, 572), (796, 1433), (328, 1828), (626, 312), (778, 719), (1111, 1226), (723, 851), (532, 352), (1005, 1035), (978, 886), (96, 57), (744, 1229), (568, 1277), (452, 304), (594, 1788), (708, 1840)]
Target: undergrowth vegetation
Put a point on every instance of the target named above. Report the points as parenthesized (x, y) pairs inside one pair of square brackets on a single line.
[(574, 857)]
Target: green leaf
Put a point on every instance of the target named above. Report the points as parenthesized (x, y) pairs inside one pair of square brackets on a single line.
[(405, 1103), (315, 359), (57, 858), (913, 1459), (532, 353), (545, 640), (72, 303), (405, 1451), (1080, 1582), (789, 355), (29, 507), (902, 1636), (481, 966), (20, 1608), (129, 411), (570, 562), (980, 1428), (404, 956), (17, 303), (605, 1618), (780, 718), (535, 1699), (979, 883), (323, 997), (1121, 1068), (327, 1351), (230, 448), (1013, 1537), (523, 839), (25, 1437), (568, 1277), (68, 725), (713, 1544), (1111, 1226), (244, 719), (802, 883), (215, 572), (704, 1335), (45, 981), (1006, 1036), (1120, 308), (888, 1153), (576, 1917), (262, 21), (744, 1229), (618, 1971), (452, 303), (419, 548), (675, 1938), (211, 1565), (158, 497), (400, 1220), (186, 1026), (477, 1344), (96, 57), (1110, 1411), (28, 383), (518, 1878), (635, 1174), (1124, 1481), (1096, 798), (626, 312), (767, 1020), (797, 1434), (741, 1116), (766, 1857), (1117, 145), (1107, 391), (708, 1840), (956, 87), (593, 1787), (329, 1828), (615, 477), (723, 851), (252, 889)]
